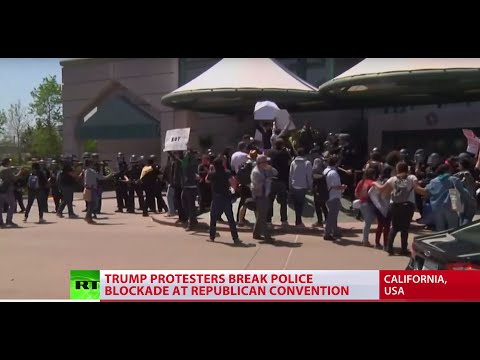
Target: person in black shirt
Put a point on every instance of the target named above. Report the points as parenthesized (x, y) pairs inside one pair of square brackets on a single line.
[(37, 184), (53, 183), (45, 192), (280, 160), (66, 184), (267, 133), (121, 188), (159, 187), (221, 181), (17, 192), (135, 187), (204, 189)]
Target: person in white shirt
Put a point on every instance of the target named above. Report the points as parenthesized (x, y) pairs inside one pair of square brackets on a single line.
[(335, 188), (301, 179), (240, 157)]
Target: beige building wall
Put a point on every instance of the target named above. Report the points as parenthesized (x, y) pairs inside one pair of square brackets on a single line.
[(84, 81), (450, 116)]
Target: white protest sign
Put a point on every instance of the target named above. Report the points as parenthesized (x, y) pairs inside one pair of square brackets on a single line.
[(177, 139), (473, 141), (379, 201), (282, 119), (265, 110)]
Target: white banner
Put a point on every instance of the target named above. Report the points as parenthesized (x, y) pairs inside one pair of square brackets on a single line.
[(265, 110), (473, 141), (177, 139), (229, 285)]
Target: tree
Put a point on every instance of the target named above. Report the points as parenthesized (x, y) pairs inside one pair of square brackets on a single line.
[(47, 103), (16, 122), (3, 121), (45, 142)]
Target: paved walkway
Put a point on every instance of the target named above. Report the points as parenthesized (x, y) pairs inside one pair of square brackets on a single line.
[(35, 259)]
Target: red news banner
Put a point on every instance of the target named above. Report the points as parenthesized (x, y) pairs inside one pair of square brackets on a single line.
[(318, 285), (430, 285)]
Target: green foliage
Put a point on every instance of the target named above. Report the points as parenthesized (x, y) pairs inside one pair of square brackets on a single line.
[(44, 142), (3, 121), (47, 103), (90, 146)]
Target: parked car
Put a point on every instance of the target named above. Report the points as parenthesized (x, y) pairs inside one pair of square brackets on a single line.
[(457, 249)]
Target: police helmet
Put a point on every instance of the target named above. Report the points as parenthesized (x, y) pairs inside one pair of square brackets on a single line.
[(465, 156), (434, 159), (133, 159)]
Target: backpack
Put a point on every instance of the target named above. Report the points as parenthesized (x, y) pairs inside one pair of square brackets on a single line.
[(33, 182), (320, 186), (244, 173), (401, 191)]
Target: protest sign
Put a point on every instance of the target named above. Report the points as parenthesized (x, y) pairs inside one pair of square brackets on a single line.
[(177, 139)]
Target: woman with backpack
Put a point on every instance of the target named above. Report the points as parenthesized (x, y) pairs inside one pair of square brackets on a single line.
[(402, 188), (366, 207), (37, 184)]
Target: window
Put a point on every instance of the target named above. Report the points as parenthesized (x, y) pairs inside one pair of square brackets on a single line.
[(190, 68)]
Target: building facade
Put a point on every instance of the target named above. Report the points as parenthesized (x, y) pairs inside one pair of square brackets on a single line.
[(89, 84)]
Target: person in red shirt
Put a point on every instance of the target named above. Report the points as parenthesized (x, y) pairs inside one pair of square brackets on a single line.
[(366, 207)]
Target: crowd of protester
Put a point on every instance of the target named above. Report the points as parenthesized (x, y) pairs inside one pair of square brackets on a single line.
[(281, 168)]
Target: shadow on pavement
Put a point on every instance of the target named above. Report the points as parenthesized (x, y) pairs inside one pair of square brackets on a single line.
[(108, 224), (348, 242), (282, 243), (231, 244), (102, 218)]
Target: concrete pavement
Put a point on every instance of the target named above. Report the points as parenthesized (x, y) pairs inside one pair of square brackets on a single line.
[(35, 259)]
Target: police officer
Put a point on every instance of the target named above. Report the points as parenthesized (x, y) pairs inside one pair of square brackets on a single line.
[(53, 183), (46, 191), (135, 187), (86, 156), (121, 187), (141, 161), (158, 189), (149, 178), (100, 168)]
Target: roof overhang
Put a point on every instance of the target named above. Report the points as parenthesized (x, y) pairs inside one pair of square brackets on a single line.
[(231, 101), (235, 85), (403, 87)]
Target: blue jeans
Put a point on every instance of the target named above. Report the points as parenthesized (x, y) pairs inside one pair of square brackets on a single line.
[(467, 216), (222, 204), (368, 214), (8, 198), (171, 200), (331, 225), (33, 195), (445, 219), (92, 205), (67, 200), (298, 203)]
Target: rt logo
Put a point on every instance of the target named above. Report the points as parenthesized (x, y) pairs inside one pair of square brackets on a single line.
[(85, 284)]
